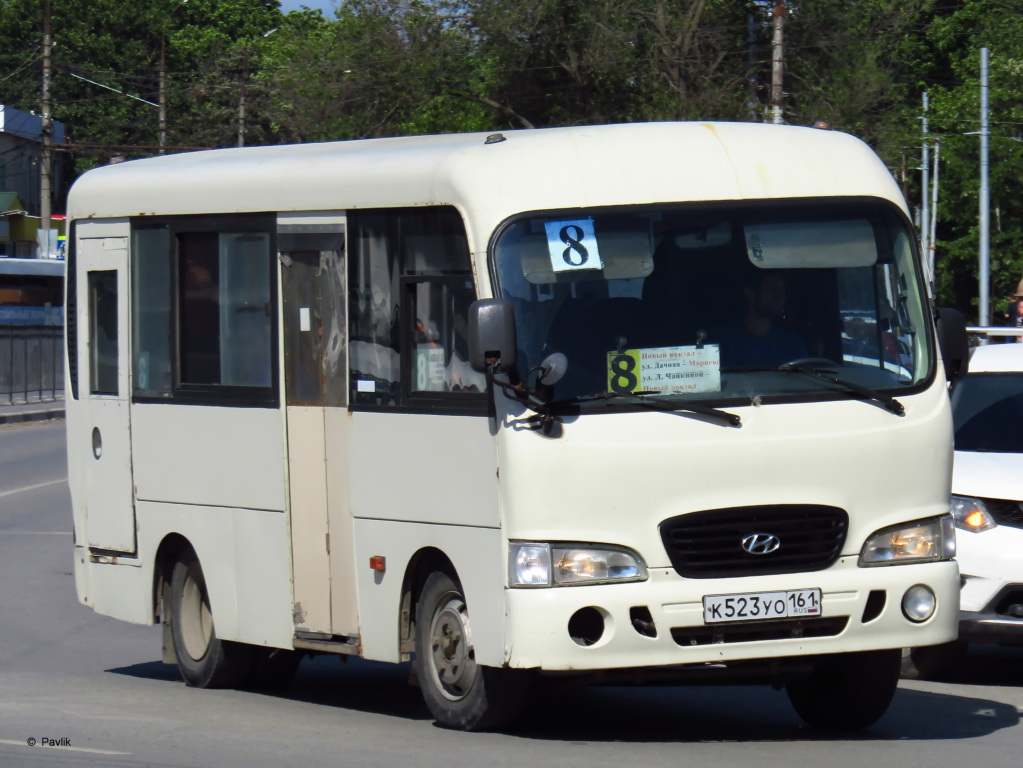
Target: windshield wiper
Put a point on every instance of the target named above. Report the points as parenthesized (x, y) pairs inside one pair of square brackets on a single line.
[(889, 402), (731, 419)]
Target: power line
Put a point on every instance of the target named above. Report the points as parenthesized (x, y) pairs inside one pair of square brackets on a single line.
[(116, 90), (27, 63), (96, 148)]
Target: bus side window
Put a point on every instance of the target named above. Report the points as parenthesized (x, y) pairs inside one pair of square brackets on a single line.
[(103, 333), (151, 313), (440, 346), (225, 317), (410, 289), (315, 343), (373, 309), (204, 310)]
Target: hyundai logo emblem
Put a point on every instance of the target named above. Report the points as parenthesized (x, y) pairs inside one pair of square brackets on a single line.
[(761, 543)]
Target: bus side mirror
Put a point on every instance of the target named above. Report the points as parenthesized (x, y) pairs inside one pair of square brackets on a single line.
[(955, 347), (492, 334)]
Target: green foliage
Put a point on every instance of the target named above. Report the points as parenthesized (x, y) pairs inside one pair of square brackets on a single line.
[(955, 39), (241, 70), (118, 44)]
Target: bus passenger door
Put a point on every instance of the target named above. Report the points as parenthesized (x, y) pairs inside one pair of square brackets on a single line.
[(315, 365), (103, 441)]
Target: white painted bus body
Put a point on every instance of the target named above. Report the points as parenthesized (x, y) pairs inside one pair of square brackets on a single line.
[(391, 485)]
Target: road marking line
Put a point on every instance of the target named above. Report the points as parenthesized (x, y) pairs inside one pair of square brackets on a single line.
[(66, 749), (32, 487)]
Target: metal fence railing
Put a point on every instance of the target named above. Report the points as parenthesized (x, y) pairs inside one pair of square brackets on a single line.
[(31, 363)]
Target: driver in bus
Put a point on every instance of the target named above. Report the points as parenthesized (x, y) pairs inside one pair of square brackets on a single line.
[(759, 338)]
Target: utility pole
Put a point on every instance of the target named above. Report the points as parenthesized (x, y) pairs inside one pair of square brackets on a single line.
[(45, 195), (241, 103), (983, 273), (163, 75), (241, 117), (934, 211), (778, 63), (925, 166), (163, 91), (751, 78)]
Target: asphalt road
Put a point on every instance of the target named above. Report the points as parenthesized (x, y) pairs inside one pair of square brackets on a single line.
[(97, 686)]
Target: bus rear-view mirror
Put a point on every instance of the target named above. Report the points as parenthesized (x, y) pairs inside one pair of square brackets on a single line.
[(955, 346), (492, 334)]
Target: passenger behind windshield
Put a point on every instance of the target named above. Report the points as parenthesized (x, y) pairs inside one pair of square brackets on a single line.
[(759, 337)]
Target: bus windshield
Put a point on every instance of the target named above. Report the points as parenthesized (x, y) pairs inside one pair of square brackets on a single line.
[(718, 303)]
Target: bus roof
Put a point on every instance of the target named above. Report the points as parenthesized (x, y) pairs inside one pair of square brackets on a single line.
[(493, 176)]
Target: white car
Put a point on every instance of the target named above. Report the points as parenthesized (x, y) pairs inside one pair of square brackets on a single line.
[(987, 504), (987, 494)]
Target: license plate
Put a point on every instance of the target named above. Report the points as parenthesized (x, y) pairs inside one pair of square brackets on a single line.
[(758, 606)]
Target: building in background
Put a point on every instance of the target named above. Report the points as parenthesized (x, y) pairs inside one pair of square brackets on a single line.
[(21, 150)]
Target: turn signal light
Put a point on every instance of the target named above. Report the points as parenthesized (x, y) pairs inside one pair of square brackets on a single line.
[(972, 514)]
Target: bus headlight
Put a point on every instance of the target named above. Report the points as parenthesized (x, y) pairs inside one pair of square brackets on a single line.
[(539, 564), (917, 542), (971, 514)]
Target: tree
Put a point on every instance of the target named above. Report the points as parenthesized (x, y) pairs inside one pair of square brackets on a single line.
[(117, 44), (392, 67), (383, 67), (956, 39), (564, 62)]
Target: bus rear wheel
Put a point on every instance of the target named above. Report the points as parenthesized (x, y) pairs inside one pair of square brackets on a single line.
[(205, 661), (847, 691), (459, 693)]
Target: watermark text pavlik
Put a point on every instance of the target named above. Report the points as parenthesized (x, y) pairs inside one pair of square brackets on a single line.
[(47, 741)]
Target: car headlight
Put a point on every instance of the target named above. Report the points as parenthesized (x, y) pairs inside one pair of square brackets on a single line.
[(971, 514), (917, 542), (539, 564)]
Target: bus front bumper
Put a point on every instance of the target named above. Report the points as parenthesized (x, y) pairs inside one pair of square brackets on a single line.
[(660, 621)]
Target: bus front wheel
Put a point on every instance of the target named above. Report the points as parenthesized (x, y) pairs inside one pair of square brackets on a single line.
[(458, 692), (847, 691), (205, 661)]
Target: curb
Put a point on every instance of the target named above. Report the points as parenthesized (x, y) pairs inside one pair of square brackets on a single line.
[(44, 415)]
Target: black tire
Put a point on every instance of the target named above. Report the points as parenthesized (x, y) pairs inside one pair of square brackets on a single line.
[(847, 691), (459, 693), (204, 660), (933, 662)]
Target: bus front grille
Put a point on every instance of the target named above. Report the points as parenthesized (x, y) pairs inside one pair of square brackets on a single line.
[(748, 541)]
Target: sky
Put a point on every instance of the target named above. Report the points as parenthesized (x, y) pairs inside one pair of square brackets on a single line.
[(327, 6)]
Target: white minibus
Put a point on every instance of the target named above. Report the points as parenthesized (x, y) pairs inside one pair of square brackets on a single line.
[(648, 402)]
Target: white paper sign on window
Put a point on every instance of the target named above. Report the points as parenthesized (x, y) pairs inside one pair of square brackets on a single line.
[(431, 375), (572, 245), (665, 369)]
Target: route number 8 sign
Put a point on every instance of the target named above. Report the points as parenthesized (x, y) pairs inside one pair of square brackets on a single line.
[(572, 245)]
